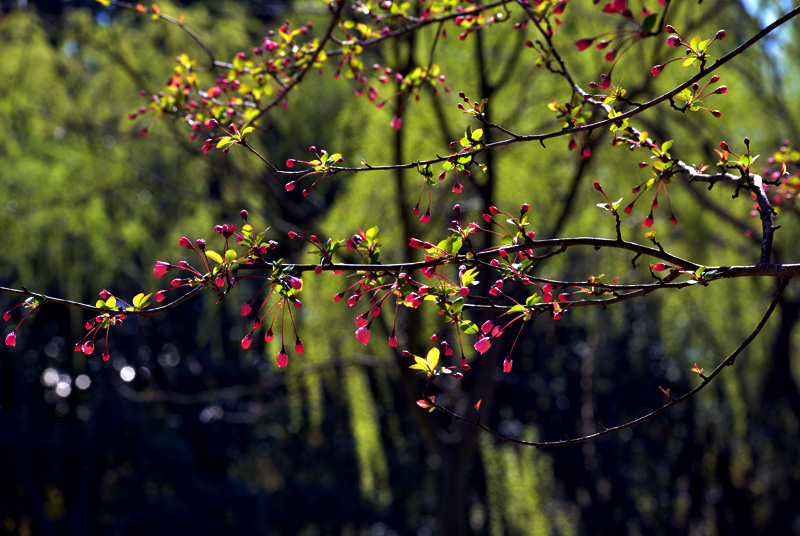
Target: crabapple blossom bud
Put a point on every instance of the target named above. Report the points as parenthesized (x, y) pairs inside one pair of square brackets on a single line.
[(362, 335), (11, 339), (720, 35), (185, 242), (7, 315), (464, 291), (268, 336), (88, 347), (246, 308), (597, 186), (243, 214), (318, 270), (104, 294), (282, 358), (507, 364), (659, 267), (297, 304), (487, 326), (298, 346), (296, 283), (493, 210), (247, 340), (674, 41), (524, 208), (656, 70), (392, 340), (483, 344)]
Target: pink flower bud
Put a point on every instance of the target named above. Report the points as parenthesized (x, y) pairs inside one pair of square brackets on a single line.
[(268, 336), (583, 44), (282, 358), (656, 70), (659, 267), (464, 291), (720, 35), (674, 41), (7, 315), (11, 339), (507, 364), (362, 335), (246, 309), (247, 340), (392, 341), (160, 295), (296, 283), (88, 347), (185, 242), (298, 346), (483, 345)]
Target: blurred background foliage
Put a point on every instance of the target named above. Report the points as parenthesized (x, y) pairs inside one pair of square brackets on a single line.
[(203, 437)]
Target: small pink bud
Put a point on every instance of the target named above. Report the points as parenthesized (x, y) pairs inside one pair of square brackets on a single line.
[(583, 44), (269, 335), (296, 283), (106, 356), (487, 326), (714, 79), (160, 295), (464, 291), (659, 267), (597, 186), (246, 308), (362, 335), (282, 358), (11, 339), (88, 347), (7, 316), (185, 242), (392, 341), (656, 70), (493, 210), (426, 217), (298, 346), (507, 364), (247, 340), (201, 243), (720, 35), (104, 294), (483, 345), (674, 41), (648, 221)]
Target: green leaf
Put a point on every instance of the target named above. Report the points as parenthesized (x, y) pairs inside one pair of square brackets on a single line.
[(477, 133), (649, 22), (230, 255), (468, 326), (518, 308), (224, 141), (214, 256), (433, 358)]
